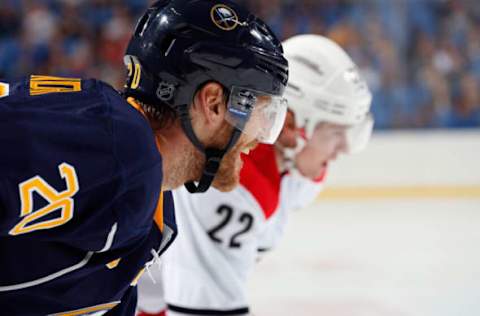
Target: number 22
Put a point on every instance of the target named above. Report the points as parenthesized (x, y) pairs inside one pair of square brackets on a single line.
[(244, 218)]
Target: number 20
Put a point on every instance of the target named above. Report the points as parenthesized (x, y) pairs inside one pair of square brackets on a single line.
[(57, 200)]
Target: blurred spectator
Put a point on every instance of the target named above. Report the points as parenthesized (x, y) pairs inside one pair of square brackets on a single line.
[(465, 111), (421, 58)]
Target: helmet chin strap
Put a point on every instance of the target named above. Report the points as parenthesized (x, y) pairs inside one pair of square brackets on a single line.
[(213, 155)]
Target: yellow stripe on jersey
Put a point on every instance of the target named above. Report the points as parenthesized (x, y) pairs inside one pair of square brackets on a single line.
[(135, 280), (136, 105), (46, 84), (113, 264), (91, 309), (158, 217), (4, 90)]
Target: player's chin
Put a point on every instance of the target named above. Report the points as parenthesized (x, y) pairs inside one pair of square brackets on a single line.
[(324, 166), (228, 176), (319, 170), (226, 183)]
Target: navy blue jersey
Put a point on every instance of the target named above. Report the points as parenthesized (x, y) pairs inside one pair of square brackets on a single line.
[(80, 187)]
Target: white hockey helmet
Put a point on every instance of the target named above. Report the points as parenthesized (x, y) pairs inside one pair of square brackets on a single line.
[(326, 86)]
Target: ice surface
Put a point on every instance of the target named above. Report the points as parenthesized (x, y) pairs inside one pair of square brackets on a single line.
[(394, 257)]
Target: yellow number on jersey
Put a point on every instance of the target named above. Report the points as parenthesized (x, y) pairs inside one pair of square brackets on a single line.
[(45, 84), (62, 201)]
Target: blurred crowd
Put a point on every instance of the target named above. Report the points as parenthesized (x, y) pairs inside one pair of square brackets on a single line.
[(421, 58)]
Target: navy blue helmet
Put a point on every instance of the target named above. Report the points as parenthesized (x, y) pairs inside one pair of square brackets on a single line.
[(179, 45)]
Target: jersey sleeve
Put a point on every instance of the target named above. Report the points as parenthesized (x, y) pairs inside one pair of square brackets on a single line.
[(273, 231), (296, 192), (76, 160)]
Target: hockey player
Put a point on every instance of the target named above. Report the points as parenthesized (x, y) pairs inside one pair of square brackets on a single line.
[(206, 271), (85, 171)]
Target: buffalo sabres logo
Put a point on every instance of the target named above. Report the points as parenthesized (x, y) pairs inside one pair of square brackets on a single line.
[(224, 17)]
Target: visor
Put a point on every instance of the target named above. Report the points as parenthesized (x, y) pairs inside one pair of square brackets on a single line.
[(359, 135), (257, 114), (356, 136)]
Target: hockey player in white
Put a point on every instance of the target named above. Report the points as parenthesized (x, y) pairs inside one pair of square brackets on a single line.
[(222, 234)]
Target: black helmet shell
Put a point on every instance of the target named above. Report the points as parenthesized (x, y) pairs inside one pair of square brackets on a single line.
[(178, 45)]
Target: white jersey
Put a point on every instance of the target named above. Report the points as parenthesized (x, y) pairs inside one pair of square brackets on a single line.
[(220, 236)]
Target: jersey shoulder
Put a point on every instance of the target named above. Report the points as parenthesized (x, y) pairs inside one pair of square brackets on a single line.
[(50, 91), (75, 136), (79, 113)]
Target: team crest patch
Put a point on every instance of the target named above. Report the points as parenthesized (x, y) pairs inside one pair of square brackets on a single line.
[(224, 17)]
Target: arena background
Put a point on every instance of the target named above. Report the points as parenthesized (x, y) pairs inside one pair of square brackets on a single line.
[(396, 231)]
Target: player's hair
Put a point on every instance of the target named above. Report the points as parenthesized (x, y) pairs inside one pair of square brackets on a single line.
[(159, 116)]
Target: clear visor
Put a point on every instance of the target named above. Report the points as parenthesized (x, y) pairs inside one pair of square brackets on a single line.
[(257, 114), (359, 135), (356, 136)]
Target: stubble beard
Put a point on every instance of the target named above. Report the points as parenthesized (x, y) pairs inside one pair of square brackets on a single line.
[(228, 175), (186, 167), (190, 164), (191, 167)]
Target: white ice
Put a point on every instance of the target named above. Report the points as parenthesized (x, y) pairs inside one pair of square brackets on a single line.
[(395, 257)]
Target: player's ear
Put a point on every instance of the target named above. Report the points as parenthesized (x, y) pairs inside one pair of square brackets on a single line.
[(210, 102)]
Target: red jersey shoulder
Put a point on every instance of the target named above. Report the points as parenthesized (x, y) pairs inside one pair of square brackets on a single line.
[(261, 177)]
